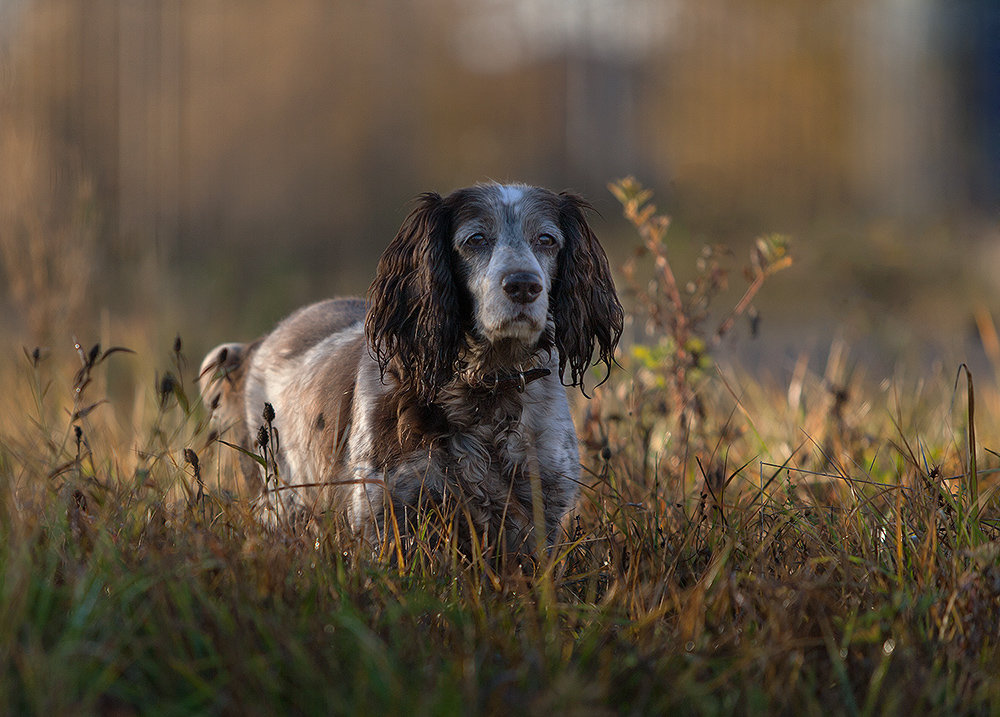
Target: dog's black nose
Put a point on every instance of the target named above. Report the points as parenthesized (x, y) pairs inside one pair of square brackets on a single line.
[(522, 286)]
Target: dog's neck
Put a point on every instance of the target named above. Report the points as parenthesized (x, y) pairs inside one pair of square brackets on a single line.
[(503, 366), (500, 382), (483, 373)]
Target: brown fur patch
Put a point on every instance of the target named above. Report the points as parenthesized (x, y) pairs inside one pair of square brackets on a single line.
[(334, 398), (405, 424)]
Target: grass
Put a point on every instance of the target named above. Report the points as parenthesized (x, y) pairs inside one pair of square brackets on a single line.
[(824, 546)]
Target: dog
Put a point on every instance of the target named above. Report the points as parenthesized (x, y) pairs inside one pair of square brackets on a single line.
[(444, 387)]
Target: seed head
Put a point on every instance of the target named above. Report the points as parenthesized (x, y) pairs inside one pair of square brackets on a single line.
[(167, 384), (268, 412), (262, 436)]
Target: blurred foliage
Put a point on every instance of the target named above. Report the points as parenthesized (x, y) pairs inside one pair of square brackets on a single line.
[(49, 222)]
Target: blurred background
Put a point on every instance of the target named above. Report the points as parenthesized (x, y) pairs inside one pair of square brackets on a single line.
[(204, 167)]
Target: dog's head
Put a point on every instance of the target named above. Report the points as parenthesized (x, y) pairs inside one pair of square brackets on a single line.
[(512, 267)]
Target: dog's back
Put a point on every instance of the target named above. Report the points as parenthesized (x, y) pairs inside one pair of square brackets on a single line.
[(225, 370)]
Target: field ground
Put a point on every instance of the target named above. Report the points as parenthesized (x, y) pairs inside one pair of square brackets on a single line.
[(826, 543), (806, 548)]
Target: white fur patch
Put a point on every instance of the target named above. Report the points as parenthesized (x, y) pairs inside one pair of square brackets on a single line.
[(510, 194)]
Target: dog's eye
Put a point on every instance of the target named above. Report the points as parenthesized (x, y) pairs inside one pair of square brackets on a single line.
[(546, 241), (477, 239)]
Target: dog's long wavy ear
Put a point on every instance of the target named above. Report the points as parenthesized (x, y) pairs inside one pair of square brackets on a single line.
[(586, 307), (413, 305)]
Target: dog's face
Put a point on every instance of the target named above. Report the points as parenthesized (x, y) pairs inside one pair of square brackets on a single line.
[(511, 265), (506, 241)]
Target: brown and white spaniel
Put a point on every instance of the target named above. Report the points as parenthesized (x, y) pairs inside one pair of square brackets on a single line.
[(445, 387)]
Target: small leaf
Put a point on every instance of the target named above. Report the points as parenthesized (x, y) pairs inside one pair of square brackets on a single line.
[(249, 454), (84, 412), (114, 350), (181, 396)]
